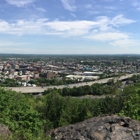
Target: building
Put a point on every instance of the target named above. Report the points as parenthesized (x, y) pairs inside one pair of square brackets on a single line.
[(36, 75), (23, 78), (50, 74)]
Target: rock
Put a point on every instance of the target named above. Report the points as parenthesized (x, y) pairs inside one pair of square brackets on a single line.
[(100, 128), (4, 131)]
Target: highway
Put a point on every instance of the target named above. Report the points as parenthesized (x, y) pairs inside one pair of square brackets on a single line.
[(41, 89)]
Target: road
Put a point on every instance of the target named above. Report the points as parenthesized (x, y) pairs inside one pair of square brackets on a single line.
[(41, 89)]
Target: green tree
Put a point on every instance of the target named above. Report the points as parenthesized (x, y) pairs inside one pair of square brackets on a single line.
[(17, 114)]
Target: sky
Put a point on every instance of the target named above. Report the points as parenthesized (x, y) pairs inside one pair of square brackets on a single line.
[(70, 26)]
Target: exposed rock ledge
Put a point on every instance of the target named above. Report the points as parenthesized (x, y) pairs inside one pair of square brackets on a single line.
[(100, 128), (4, 131)]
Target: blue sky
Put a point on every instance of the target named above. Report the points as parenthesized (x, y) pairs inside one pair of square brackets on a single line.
[(70, 26)]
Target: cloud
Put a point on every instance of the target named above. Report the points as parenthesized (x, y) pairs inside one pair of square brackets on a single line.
[(83, 7), (108, 36), (120, 20), (117, 21), (101, 29), (104, 23), (93, 12), (136, 4), (116, 39), (73, 15), (43, 26), (21, 27), (125, 43), (71, 28), (4, 26), (88, 6), (41, 9), (19, 3), (111, 7), (71, 25), (69, 5)]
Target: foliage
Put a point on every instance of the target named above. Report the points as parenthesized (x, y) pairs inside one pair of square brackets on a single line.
[(29, 118), (42, 81), (18, 115), (95, 89), (9, 83), (131, 105)]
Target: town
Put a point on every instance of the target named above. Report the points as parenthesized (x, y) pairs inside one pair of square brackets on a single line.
[(47, 70)]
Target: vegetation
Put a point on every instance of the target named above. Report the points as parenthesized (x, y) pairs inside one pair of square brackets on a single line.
[(18, 115), (9, 83), (54, 81), (95, 89), (29, 118)]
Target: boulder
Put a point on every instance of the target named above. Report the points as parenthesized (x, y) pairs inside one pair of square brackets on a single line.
[(99, 128), (4, 131)]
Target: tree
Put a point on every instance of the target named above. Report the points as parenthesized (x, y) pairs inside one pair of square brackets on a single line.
[(17, 114), (131, 106)]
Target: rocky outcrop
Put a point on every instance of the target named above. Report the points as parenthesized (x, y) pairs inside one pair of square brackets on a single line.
[(4, 131), (100, 128)]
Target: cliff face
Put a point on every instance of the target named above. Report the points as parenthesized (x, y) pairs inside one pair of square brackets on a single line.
[(100, 128)]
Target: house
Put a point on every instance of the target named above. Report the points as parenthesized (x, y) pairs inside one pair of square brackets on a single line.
[(36, 75), (23, 78)]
